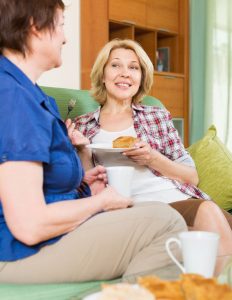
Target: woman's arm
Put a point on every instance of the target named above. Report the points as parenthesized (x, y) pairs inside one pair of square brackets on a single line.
[(144, 155), (28, 216)]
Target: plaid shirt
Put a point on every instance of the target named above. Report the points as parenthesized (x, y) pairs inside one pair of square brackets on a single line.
[(154, 126)]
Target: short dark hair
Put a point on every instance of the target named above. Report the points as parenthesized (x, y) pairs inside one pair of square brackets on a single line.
[(16, 17)]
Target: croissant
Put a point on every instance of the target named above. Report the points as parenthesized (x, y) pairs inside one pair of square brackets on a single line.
[(125, 142)]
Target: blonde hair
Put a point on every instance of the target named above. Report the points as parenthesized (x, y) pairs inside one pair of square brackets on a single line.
[(98, 90)]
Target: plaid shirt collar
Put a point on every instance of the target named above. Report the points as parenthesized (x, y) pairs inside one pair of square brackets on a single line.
[(96, 114)]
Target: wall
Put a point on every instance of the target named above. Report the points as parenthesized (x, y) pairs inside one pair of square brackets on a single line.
[(68, 75)]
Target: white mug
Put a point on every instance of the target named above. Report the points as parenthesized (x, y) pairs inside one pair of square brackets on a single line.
[(199, 251), (120, 177)]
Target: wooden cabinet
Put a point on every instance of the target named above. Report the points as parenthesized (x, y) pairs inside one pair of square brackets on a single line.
[(129, 11), (173, 96), (161, 27), (163, 15)]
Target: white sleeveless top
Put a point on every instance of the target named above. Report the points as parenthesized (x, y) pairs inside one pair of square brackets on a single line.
[(146, 185)]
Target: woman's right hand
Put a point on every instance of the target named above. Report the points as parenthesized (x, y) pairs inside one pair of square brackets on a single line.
[(112, 200), (76, 137)]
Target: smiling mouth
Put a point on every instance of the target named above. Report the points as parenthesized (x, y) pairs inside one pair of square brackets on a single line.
[(123, 84)]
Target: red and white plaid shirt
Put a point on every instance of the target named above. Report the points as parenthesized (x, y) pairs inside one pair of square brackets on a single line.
[(153, 125)]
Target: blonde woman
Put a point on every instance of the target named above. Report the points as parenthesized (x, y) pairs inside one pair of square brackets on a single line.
[(122, 74)]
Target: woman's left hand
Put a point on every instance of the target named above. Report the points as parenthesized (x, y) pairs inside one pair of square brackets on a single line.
[(142, 154), (96, 179), (76, 137)]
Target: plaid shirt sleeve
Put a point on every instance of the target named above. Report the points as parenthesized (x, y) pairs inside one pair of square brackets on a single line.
[(160, 132)]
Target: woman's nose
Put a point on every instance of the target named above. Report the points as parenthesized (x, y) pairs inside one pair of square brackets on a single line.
[(124, 72)]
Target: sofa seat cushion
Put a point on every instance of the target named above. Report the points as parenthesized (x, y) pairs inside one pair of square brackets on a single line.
[(59, 291), (214, 165)]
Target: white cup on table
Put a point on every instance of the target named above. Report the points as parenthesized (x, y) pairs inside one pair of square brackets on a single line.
[(120, 177), (199, 251)]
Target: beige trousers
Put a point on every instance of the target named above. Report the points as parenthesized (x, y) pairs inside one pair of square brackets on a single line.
[(109, 245)]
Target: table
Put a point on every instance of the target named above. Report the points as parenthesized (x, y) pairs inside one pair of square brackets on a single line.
[(223, 271)]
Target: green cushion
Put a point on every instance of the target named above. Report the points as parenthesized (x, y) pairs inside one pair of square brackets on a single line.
[(214, 165)]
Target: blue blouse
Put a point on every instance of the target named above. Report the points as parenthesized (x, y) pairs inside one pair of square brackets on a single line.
[(32, 130)]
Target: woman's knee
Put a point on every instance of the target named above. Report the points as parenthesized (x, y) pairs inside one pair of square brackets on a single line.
[(210, 214), (209, 208), (171, 216)]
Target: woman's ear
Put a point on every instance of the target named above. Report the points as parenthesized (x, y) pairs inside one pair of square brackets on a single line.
[(34, 30)]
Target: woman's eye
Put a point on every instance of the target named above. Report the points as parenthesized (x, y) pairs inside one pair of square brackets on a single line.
[(134, 67), (115, 65)]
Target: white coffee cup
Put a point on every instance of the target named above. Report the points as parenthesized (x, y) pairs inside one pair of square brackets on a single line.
[(199, 251), (120, 177)]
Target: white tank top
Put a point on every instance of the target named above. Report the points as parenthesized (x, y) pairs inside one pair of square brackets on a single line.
[(146, 186)]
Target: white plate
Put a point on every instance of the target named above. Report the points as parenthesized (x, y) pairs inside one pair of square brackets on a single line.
[(106, 148), (94, 296)]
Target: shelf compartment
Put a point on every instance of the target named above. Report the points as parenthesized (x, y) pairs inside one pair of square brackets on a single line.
[(147, 39), (120, 30), (170, 42)]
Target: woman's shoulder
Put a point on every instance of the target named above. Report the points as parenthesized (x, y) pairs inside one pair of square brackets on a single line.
[(12, 91), (156, 111), (8, 83)]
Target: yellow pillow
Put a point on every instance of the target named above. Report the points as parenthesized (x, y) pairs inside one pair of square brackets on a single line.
[(214, 165)]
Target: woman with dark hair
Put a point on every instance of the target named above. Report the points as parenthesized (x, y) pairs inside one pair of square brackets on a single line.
[(57, 223)]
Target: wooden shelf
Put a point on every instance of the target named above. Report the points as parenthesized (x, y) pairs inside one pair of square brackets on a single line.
[(117, 29)]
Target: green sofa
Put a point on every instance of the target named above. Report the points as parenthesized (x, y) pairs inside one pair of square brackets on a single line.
[(75, 291)]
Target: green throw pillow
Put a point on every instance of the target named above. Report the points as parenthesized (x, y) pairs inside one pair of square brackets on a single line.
[(214, 165)]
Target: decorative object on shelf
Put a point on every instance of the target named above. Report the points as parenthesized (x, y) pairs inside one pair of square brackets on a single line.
[(160, 65), (163, 59)]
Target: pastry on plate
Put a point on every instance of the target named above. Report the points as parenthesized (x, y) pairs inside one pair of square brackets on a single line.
[(125, 142)]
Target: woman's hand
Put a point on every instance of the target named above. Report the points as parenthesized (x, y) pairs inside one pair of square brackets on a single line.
[(96, 179), (76, 137), (142, 154), (112, 200)]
